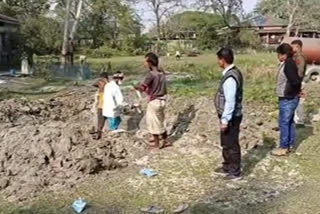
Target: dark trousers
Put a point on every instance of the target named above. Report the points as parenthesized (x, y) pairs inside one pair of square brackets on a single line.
[(101, 120), (231, 151)]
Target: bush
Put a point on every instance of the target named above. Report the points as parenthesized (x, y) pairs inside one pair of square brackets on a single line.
[(101, 52), (249, 39)]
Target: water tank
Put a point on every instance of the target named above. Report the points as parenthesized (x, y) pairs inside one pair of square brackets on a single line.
[(311, 48)]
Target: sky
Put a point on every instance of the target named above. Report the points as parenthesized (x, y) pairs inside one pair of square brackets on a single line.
[(148, 20)]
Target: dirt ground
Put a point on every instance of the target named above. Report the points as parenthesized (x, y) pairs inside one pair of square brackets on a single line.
[(48, 159)]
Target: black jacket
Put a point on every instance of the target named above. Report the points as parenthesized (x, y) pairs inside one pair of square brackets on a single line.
[(293, 87), (289, 82)]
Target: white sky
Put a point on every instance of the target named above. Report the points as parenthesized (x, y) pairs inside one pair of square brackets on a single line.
[(148, 20)]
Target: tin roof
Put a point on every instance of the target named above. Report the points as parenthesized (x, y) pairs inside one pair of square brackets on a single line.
[(267, 21), (8, 20)]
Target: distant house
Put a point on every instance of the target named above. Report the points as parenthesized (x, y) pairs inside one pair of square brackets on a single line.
[(272, 30), (178, 35), (8, 26)]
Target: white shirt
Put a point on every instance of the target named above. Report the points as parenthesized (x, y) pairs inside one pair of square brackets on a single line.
[(112, 100), (230, 90)]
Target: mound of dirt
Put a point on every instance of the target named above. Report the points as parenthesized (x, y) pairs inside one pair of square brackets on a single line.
[(47, 144)]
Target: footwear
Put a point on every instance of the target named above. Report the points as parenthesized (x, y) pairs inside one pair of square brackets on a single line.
[(152, 209), (165, 144), (292, 149), (97, 136), (280, 152), (233, 178), (221, 172)]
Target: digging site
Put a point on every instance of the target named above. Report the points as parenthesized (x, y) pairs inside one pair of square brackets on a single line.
[(46, 145)]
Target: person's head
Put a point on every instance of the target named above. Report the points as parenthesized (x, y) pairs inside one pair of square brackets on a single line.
[(297, 45), (104, 76), (284, 51), (151, 61), (225, 57), (118, 77)]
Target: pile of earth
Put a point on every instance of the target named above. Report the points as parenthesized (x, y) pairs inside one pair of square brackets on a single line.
[(47, 144)]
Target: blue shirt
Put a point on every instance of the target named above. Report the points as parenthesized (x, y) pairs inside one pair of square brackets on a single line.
[(230, 90)]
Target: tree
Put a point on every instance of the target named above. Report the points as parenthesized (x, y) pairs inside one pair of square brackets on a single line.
[(109, 22), (160, 9), (77, 18), (66, 42), (298, 13), (27, 8), (204, 24), (38, 33), (229, 10)]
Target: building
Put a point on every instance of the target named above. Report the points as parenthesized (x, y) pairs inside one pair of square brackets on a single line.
[(8, 27), (272, 30)]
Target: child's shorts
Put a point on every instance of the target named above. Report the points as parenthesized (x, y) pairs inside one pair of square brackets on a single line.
[(114, 123)]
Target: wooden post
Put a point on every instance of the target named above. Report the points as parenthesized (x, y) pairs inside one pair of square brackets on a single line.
[(268, 39)]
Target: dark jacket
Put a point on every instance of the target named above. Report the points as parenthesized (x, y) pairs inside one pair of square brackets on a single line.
[(288, 80), (220, 97)]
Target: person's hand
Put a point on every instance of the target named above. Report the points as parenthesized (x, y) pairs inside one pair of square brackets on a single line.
[(223, 127)]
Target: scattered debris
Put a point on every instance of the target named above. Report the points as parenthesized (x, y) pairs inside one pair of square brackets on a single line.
[(79, 205), (148, 172)]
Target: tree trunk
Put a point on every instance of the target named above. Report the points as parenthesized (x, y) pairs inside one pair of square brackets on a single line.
[(297, 31), (75, 24), (158, 33), (65, 45), (290, 25), (291, 17)]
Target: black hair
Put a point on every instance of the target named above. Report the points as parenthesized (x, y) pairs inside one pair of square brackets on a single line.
[(297, 42), (104, 75), (226, 54), (152, 58), (285, 49), (118, 75)]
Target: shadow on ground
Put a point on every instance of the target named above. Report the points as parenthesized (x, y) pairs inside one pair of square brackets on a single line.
[(182, 123), (303, 133), (257, 154), (133, 124)]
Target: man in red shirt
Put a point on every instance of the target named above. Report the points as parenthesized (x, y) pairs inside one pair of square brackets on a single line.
[(155, 85)]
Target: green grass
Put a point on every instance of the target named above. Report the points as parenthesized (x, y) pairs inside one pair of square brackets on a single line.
[(203, 74)]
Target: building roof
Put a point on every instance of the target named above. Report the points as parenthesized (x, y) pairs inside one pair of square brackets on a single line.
[(266, 21), (8, 20)]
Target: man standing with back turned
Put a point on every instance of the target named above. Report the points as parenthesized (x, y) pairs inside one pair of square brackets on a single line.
[(302, 67), (228, 102)]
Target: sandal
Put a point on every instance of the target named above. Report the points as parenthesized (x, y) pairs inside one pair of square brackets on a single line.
[(97, 136), (152, 209), (166, 144)]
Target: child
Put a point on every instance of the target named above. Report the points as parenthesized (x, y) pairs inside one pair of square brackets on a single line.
[(100, 96), (113, 100)]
